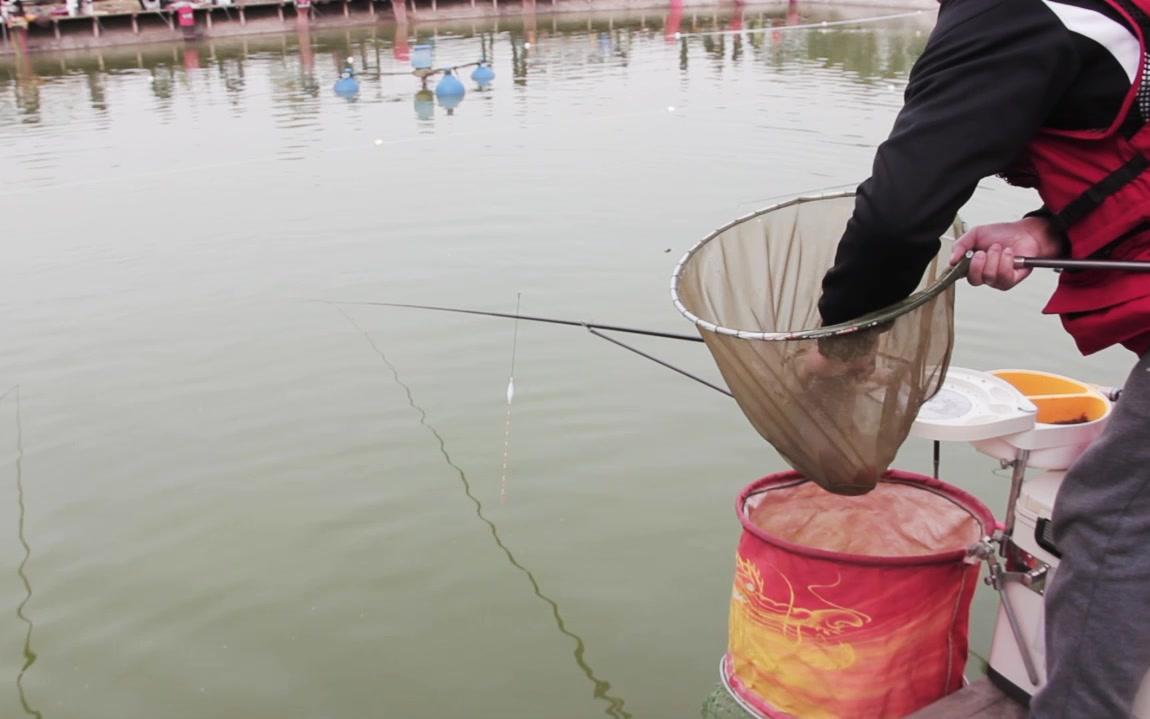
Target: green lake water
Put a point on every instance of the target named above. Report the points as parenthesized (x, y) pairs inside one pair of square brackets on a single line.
[(222, 498)]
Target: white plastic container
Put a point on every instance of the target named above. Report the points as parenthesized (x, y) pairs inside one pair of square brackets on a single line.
[(1052, 420), (1032, 536), (1070, 415), (974, 406)]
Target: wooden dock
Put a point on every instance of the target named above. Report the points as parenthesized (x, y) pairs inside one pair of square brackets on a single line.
[(105, 23), (91, 24), (979, 700)]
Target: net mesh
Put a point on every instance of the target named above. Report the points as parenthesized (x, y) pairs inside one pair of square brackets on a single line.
[(836, 402)]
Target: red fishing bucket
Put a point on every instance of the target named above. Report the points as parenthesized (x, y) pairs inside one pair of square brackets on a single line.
[(851, 607)]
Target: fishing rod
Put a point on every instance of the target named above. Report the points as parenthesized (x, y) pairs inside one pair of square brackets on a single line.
[(656, 360), (528, 318), (1027, 263), (595, 329), (1020, 263)]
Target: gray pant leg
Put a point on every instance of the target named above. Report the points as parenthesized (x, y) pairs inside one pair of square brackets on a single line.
[(1098, 605)]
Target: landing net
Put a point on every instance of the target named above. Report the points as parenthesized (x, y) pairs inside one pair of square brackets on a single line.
[(836, 401)]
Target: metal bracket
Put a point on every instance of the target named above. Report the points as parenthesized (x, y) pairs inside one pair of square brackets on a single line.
[(998, 578), (1035, 579), (1018, 465), (1024, 568)]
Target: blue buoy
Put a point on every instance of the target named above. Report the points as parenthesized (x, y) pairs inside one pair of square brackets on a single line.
[(347, 86), (421, 58), (450, 102), (483, 75), (449, 86)]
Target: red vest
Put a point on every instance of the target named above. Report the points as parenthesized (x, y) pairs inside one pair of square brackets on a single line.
[(1098, 185)]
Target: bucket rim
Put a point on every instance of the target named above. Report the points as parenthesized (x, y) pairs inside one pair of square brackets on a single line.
[(750, 702), (964, 499), (867, 321)]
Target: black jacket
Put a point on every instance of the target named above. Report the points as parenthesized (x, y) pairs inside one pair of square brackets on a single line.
[(992, 73)]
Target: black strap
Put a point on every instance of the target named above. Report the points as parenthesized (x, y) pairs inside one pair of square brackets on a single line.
[(1089, 201), (1108, 249)]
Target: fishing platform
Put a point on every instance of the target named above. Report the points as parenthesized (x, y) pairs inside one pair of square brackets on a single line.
[(978, 700), (88, 24)]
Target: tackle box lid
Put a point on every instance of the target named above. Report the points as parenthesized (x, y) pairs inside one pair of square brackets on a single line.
[(971, 406)]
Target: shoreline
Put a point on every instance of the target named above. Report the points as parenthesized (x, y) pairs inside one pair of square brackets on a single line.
[(134, 26)]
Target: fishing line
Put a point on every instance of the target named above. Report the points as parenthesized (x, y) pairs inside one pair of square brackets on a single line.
[(592, 328), (802, 193), (656, 360), (526, 318), (29, 655), (510, 397), (601, 687)]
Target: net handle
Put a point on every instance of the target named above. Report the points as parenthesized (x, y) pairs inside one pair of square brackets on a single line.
[(867, 321)]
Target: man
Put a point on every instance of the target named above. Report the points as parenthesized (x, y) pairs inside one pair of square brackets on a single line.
[(1052, 95)]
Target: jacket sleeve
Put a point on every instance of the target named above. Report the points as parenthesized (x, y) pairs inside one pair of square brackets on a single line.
[(990, 74)]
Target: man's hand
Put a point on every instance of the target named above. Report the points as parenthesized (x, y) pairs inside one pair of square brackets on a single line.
[(995, 247)]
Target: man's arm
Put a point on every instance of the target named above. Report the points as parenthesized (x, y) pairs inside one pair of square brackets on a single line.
[(991, 73)]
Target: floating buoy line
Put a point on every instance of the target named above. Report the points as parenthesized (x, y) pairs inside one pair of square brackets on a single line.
[(449, 90), (483, 75), (804, 26)]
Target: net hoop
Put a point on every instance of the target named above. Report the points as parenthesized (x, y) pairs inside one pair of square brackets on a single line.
[(963, 500), (867, 321)]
